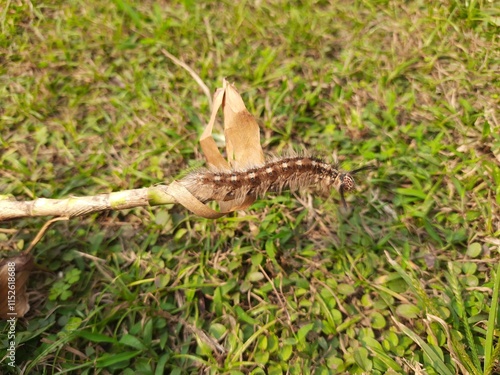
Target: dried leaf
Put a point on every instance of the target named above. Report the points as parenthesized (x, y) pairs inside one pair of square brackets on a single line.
[(14, 275), (242, 147), (241, 131), (207, 143), (188, 200)]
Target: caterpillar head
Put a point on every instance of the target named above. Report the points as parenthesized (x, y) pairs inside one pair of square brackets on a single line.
[(347, 182)]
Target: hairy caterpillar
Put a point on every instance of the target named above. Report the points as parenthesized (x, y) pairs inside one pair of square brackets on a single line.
[(291, 173)]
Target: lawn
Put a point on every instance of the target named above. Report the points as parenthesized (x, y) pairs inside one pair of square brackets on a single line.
[(404, 282)]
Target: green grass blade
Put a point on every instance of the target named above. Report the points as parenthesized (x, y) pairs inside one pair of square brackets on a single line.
[(494, 357), (52, 347), (464, 358), (109, 359), (237, 353), (489, 359), (377, 351), (457, 292), (437, 362), (456, 348), (415, 285)]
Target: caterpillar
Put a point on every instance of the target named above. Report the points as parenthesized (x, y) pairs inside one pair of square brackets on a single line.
[(293, 173)]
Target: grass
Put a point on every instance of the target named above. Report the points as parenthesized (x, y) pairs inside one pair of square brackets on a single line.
[(407, 283)]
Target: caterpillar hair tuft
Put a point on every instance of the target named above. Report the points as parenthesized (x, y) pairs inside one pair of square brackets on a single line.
[(293, 173)]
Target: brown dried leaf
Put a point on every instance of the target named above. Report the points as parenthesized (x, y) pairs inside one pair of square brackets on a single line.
[(207, 143), (242, 146), (241, 131), (188, 200), (14, 275)]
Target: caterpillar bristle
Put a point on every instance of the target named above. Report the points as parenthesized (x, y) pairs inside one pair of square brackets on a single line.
[(279, 173)]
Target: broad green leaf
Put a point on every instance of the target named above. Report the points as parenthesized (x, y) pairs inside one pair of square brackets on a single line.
[(362, 359), (474, 250), (408, 311)]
